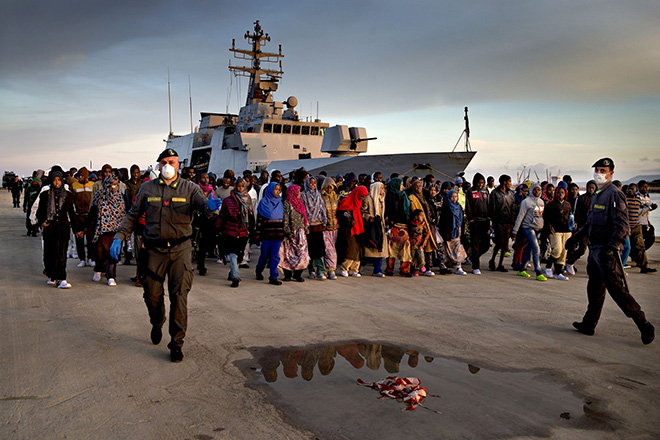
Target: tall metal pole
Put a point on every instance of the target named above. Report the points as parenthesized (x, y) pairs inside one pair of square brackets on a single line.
[(169, 101)]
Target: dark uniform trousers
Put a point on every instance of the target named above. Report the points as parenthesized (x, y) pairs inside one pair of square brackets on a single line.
[(479, 240), (605, 272), (175, 264)]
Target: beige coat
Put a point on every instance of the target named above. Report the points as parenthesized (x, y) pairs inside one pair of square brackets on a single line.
[(369, 210)]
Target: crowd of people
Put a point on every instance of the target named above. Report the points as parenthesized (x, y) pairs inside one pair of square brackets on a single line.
[(332, 226), (324, 227)]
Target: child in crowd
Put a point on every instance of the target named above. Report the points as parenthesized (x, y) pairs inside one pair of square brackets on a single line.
[(419, 236)]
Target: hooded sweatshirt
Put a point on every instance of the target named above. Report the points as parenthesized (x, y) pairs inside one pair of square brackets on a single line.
[(531, 212)]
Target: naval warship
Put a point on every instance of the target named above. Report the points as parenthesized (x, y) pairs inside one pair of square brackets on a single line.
[(268, 134)]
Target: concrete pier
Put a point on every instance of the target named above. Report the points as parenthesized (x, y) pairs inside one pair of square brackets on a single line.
[(79, 364)]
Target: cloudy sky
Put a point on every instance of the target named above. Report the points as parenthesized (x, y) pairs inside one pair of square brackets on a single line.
[(550, 84)]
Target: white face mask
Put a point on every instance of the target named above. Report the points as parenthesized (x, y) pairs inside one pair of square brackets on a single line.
[(600, 179), (167, 171)]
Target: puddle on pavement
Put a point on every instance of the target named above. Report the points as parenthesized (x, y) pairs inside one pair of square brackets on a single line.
[(316, 389)]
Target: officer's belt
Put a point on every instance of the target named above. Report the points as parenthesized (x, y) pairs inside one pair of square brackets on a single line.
[(165, 243)]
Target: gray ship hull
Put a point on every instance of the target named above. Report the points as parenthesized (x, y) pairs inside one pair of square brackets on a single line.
[(444, 166)]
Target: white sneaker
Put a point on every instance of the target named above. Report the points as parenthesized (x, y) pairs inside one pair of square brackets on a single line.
[(548, 272), (64, 285), (343, 273), (379, 275), (97, 276), (219, 261), (460, 271), (476, 272), (112, 282), (356, 275), (570, 269), (82, 263), (91, 263), (119, 263), (321, 277), (74, 254), (429, 273), (561, 277), (51, 282)]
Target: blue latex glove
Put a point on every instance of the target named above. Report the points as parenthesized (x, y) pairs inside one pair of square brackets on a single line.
[(115, 249), (214, 204)]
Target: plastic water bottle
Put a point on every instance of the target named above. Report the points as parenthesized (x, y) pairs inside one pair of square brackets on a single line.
[(571, 222)]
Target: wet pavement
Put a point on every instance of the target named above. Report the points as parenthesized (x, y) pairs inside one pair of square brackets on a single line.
[(79, 364), (315, 386)]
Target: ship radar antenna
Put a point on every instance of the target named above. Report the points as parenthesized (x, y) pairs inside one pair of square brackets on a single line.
[(263, 82), (465, 133)]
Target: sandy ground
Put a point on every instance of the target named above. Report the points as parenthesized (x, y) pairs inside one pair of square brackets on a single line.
[(79, 364)]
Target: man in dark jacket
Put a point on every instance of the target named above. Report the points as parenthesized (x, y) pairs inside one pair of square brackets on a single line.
[(500, 209), (476, 211), (607, 227)]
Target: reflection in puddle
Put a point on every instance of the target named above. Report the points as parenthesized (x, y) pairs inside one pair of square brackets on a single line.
[(316, 389)]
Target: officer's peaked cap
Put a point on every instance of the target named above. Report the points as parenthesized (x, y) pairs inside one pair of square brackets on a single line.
[(168, 152), (604, 162)]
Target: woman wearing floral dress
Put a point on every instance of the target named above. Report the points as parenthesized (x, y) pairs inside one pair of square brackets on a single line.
[(294, 256)]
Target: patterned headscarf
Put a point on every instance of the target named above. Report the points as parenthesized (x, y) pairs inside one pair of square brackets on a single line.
[(243, 199), (293, 197), (313, 202), (111, 208)]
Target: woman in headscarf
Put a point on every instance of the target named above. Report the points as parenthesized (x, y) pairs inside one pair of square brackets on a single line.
[(205, 226), (317, 217), (56, 216), (434, 201), (270, 231), (107, 213), (373, 216), (351, 227), (418, 201), (330, 201), (294, 256), (452, 220), (397, 215), (236, 223)]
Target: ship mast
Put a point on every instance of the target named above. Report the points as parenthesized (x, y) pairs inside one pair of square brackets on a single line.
[(262, 81)]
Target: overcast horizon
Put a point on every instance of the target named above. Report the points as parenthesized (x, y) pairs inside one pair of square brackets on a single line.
[(550, 85)]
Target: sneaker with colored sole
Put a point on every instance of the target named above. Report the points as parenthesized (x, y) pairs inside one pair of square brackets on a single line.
[(523, 274), (541, 277)]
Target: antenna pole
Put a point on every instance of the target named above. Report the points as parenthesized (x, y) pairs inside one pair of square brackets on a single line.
[(169, 101), (190, 96)]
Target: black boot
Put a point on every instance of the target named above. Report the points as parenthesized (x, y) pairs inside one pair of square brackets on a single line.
[(584, 328), (648, 332)]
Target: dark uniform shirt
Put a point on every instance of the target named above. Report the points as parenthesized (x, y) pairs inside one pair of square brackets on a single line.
[(607, 219), (169, 210)]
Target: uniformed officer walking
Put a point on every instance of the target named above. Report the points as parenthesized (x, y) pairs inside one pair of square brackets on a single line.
[(168, 204), (607, 226)]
